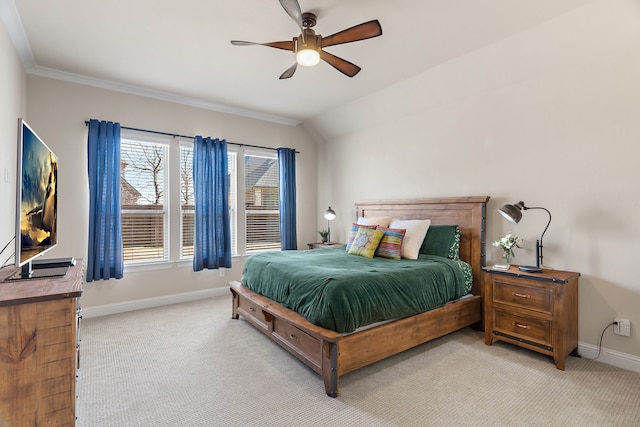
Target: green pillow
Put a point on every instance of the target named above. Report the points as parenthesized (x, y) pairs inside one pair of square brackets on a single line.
[(442, 240)]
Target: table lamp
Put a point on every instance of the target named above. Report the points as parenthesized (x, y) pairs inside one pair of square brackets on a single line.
[(513, 214), (329, 215)]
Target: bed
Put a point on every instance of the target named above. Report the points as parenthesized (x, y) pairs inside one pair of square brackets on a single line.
[(332, 354)]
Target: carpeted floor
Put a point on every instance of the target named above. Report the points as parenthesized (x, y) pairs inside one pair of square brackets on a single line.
[(192, 365)]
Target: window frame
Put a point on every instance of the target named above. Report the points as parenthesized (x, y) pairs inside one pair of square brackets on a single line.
[(173, 219), (266, 153), (145, 138)]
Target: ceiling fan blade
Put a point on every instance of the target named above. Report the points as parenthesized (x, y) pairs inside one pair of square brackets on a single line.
[(287, 45), (363, 31), (292, 7), (344, 66), (287, 74)]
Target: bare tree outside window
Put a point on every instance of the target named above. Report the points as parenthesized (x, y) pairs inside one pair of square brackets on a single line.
[(144, 216), (186, 178), (187, 201), (148, 162)]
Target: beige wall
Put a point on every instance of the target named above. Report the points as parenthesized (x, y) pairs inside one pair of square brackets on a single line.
[(57, 111), (12, 106), (549, 116)]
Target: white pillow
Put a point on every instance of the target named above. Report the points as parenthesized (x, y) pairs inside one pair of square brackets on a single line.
[(413, 238), (382, 221)]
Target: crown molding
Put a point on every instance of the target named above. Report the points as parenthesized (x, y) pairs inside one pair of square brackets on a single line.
[(154, 94), (13, 25)]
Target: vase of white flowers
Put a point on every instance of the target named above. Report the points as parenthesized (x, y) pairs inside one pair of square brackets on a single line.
[(507, 243)]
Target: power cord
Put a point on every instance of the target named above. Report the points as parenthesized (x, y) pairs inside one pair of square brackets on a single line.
[(7, 260), (10, 256), (601, 336)]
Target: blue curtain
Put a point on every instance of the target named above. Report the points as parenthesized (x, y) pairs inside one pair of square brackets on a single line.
[(105, 220), (212, 234), (287, 184)]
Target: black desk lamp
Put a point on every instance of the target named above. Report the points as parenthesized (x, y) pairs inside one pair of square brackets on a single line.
[(329, 215), (513, 214)]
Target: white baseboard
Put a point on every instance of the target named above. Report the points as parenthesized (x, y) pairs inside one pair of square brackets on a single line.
[(610, 357), (122, 307)]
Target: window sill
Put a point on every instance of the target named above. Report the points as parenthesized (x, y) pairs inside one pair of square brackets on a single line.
[(166, 265), (148, 266), (184, 262)]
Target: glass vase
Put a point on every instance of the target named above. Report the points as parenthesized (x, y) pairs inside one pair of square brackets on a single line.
[(507, 257)]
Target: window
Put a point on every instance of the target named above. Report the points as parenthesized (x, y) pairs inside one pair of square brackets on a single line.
[(261, 211), (262, 201), (186, 201), (158, 199), (143, 181), (187, 209)]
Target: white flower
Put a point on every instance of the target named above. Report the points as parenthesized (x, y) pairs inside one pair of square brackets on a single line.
[(507, 243)]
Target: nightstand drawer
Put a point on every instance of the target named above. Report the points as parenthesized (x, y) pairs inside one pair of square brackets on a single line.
[(539, 298), (536, 330)]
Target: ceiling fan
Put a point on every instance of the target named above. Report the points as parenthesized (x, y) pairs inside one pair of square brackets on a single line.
[(308, 46)]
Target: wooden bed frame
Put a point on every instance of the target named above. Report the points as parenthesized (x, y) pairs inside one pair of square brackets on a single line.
[(332, 354)]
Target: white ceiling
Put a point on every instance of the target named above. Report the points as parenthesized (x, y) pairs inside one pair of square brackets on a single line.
[(180, 50)]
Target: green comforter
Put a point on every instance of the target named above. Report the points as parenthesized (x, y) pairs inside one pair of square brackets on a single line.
[(343, 292)]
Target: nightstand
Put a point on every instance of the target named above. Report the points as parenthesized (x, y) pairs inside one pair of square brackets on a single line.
[(319, 245), (537, 311)]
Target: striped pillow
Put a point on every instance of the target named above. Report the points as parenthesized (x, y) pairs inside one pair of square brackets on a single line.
[(391, 243)]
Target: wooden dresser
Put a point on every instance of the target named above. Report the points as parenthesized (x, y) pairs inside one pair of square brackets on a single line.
[(538, 311), (39, 348)]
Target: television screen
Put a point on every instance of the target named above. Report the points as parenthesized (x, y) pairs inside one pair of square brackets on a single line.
[(37, 196)]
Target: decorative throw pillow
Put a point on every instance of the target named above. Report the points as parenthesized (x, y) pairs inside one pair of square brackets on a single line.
[(366, 242), (413, 238), (354, 231), (442, 240), (391, 243), (382, 221)]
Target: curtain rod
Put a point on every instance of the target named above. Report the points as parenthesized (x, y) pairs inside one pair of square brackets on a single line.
[(86, 122)]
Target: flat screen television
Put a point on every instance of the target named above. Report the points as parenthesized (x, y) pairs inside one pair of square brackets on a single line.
[(36, 206)]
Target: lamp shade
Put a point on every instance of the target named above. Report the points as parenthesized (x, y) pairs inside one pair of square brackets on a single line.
[(512, 213), (329, 214)]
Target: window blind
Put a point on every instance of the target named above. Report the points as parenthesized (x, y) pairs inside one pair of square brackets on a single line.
[(262, 202), (187, 201), (144, 187)]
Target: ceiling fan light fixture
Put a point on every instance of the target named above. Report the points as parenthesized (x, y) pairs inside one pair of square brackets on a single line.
[(308, 57), (308, 47)]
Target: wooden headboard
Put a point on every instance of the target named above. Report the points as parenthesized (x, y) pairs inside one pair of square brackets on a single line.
[(468, 213)]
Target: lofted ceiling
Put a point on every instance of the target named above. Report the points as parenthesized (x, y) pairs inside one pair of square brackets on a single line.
[(181, 51)]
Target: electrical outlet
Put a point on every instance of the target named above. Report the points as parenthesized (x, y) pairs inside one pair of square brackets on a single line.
[(623, 327)]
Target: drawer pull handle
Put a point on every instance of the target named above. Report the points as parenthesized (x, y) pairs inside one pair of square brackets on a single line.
[(515, 294), (519, 325), (252, 308), (293, 337)]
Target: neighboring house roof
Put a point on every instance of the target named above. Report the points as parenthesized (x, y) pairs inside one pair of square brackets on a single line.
[(130, 195), (260, 171)]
